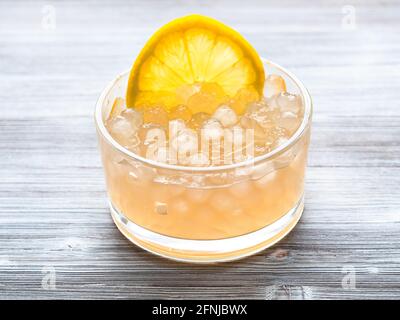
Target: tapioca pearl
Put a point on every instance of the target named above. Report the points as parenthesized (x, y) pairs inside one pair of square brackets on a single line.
[(241, 189), (259, 133), (134, 117), (156, 116), (261, 169), (198, 119), (175, 127), (285, 158), (274, 84), (289, 121), (121, 130), (266, 180), (224, 202), (197, 195), (181, 112), (151, 138), (160, 192), (134, 146), (220, 179), (211, 138), (212, 130), (160, 154), (289, 102), (239, 143), (258, 111), (225, 115), (179, 206), (152, 134), (280, 141), (236, 212), (142, 173), (119, 168), (185, 142), (176, 190), (243, 172), (117, 108)]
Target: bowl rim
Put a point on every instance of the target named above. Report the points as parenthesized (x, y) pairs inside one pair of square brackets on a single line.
[(306, 121)]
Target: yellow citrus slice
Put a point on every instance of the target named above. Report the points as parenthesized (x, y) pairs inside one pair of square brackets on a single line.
[(193, 60)]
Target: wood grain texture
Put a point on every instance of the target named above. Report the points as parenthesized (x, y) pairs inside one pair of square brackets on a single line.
[(53, 209)]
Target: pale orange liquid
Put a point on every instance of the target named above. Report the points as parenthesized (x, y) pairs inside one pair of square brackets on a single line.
[(214, 212)]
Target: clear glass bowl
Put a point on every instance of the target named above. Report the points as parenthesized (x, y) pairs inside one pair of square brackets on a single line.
[(205, 214)]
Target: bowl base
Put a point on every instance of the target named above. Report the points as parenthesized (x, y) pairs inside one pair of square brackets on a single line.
[(208, 251)]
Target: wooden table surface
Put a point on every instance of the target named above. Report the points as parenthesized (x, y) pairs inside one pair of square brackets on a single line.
[(57, 56)]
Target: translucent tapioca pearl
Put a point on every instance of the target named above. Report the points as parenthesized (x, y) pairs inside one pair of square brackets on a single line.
[(152, 138), (185, 91), (241, 189), (175, 127), (225, 115), (212, 130), (289, 102), (223, 202), (198, 119), (134, 117), (155, 115), (289, 121), (197, 195), (272, 103), (119, 167), (185, 144), (260, 135), (213, 89), (202, 101), (185, 140), (240, 142), (263, 114), (160, 154), (280, 141), (211, 137), (117, 108), (265, 180), (261, 148), (219, 179), (271, 137), (121, 130), (274, 85), (257, 106), (180, 112), (142, 173), (152, 135), (242, 98), (134, 149), (243, 172), (175, 189), (262, 169), (179, 206), (134, 145), (285, 158)]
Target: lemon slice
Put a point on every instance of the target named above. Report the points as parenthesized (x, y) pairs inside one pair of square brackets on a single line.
[(189, 53)]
